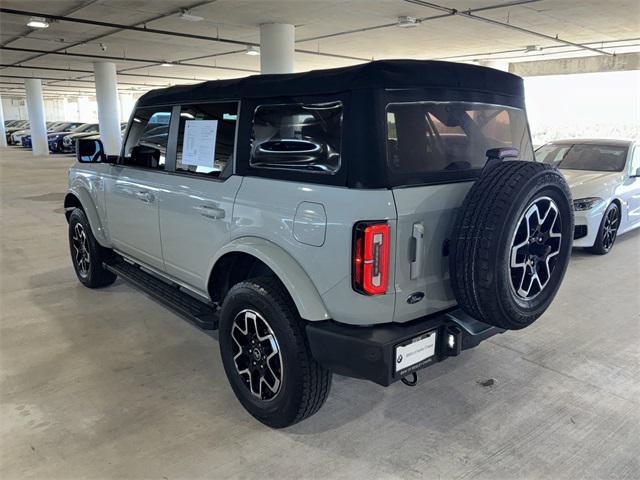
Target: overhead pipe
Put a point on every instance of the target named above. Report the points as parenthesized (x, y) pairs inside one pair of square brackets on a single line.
[(98, 23), (469, 14), (191, 36), (418, 20), (103, 35)]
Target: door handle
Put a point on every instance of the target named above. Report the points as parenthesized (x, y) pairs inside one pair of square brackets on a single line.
[(208, 211), (417, 237), (144, 196)]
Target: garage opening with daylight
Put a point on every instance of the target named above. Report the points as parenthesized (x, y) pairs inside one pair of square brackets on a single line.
[(328, 239)]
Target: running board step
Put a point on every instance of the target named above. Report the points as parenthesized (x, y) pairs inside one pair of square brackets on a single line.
[(202, 314)]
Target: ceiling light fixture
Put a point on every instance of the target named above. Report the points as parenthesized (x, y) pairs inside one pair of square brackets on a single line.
[(38, 22), (186, 14), (166, 64), (252, 50), (408, 22)]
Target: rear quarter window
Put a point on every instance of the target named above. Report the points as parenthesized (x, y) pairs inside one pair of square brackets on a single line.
[(303, 137)]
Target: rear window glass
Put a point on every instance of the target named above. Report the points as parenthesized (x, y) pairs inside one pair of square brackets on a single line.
[(444, 140), (597, 158), (304, 137)]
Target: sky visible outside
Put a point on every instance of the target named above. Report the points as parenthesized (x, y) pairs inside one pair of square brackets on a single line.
[(587, 105)]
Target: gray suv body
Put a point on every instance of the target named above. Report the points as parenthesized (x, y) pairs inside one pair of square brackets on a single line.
[(319, 218)]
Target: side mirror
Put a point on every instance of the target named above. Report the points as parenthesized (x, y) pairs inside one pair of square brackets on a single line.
[(90, 151), (635, 174)]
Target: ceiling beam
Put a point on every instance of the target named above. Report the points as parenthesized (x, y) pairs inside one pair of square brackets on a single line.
[(83, 81), (103, 35), (90, 72), (544, 51), (468, 14), (91, 90), (125, 59), (29, 31), (145, 29), (119, 26)]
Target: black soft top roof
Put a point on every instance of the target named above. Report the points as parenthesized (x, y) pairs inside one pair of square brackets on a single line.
[(382, 74)]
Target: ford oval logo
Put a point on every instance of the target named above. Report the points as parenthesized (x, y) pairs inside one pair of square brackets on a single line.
[(415, 297)]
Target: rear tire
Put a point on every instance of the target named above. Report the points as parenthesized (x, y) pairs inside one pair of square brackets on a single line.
[(608, 231), (266, 355), (87, 255), (511, 243)]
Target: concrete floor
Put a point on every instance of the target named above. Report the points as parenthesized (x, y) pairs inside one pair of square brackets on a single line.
[(110, 384)]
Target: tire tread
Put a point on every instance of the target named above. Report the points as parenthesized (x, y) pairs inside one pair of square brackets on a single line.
[(477, 229)]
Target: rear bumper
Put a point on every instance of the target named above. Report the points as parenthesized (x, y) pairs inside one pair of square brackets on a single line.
[(370, 352)]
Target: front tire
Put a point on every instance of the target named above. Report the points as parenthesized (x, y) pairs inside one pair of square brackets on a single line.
[(608, 231), (87, 255), (266, 356)]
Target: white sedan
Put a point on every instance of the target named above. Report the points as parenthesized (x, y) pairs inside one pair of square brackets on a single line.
[(604, 176)]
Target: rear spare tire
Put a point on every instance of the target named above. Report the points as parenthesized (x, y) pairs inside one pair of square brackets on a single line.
[(511, 243)]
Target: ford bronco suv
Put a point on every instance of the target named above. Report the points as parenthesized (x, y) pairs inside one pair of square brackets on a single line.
[(367, 221)]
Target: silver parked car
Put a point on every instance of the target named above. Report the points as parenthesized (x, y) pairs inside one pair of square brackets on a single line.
[(604, 177), (369, 221)]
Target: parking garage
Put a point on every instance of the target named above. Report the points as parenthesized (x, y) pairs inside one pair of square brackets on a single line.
[(109, 383)]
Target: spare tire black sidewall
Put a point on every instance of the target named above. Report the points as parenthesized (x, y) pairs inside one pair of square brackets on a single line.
[(523, 312), (483, 236)]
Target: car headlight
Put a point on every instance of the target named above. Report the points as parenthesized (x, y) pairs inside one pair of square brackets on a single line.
[(586, 203)]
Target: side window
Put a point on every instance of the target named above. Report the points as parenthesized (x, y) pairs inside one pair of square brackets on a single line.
[(206, 138), (304, 137), (146, 144)]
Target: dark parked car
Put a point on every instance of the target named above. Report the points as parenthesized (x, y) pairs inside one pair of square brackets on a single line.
[(17, 136), (69, 141), (55, 129), (18, 125), (56, 140)]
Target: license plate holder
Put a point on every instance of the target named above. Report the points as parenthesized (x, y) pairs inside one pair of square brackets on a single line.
[(415, 353)]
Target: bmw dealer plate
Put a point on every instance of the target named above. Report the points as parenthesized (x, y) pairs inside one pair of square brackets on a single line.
[(415, 353)]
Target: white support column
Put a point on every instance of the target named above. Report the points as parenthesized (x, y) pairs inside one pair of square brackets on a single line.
[(3, 134), (497, 64), (37, 124), (107, 99), (126, 106), (277, 48)]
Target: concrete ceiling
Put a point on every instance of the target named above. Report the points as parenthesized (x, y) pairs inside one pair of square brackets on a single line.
[(329, 33)]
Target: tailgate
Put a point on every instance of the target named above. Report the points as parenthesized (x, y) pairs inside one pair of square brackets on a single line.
[(421, 266)]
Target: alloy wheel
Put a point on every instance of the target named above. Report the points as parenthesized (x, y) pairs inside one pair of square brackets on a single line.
[(256, 354), (80, 244), (610, 228), (535, 246)]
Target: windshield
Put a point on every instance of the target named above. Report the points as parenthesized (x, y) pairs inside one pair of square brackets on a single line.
[(597, 158), (447, 139)]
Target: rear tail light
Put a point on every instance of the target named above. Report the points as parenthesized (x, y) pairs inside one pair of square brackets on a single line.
[(371, 257)]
